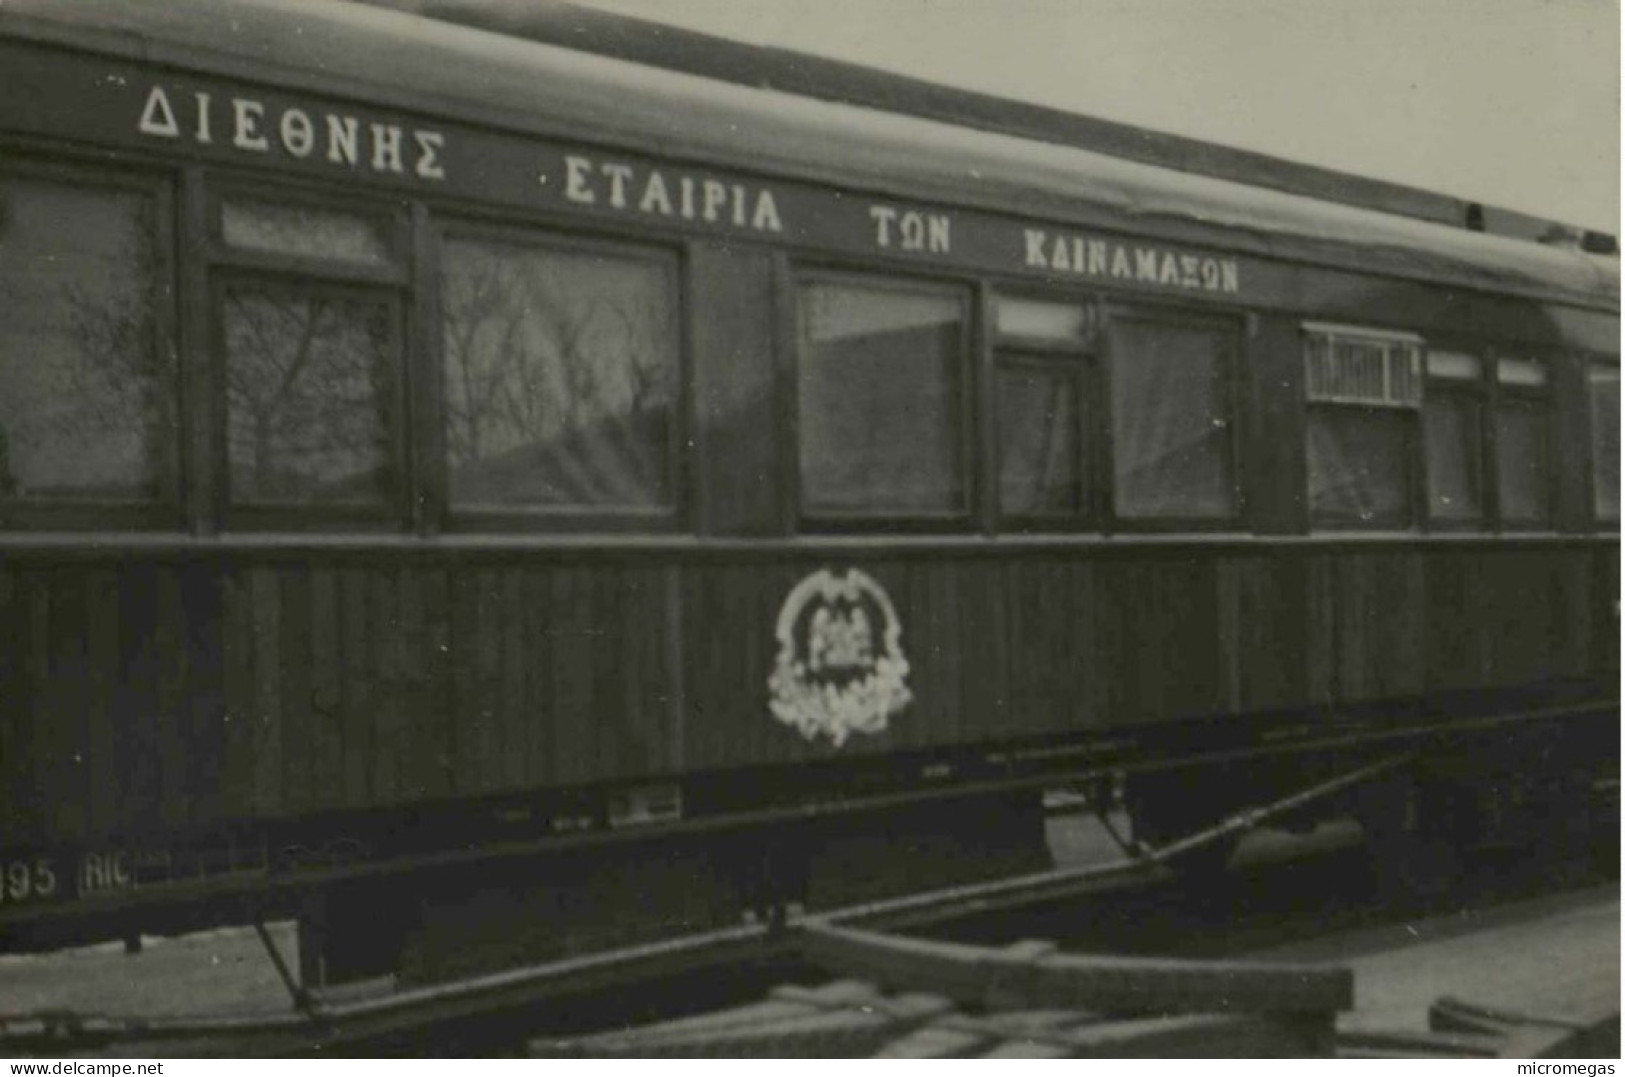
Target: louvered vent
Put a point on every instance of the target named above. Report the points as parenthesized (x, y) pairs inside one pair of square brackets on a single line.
[(1347, 365)]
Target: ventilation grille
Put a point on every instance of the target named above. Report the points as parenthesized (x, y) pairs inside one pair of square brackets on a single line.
[(1352, 366)]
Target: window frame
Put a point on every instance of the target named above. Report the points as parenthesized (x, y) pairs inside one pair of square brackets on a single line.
[(388, 514), (223, 187), (1229, 331), (1075, 369), (166, 511), (1598, 521), (968, 457), (1543, 398), (527, 232), (1479, 391), (1079, 361), (1417, 496)]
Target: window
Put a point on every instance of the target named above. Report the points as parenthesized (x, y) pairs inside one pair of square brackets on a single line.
[(1042, 388), (1364, 387), (312, 366), (1453, 428), (1172, 452), (559, 372), (310, 394), (1604, 392), (880, 407), (87, 384), (1040, 444), (1523, 442), (304, 231)]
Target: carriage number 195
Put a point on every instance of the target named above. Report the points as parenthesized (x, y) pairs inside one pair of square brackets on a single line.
[(21, 880)]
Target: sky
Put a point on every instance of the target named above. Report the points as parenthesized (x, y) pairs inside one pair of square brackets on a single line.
[(1513, 103)]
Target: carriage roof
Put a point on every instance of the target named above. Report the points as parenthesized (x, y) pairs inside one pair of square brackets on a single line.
[(460, 72)]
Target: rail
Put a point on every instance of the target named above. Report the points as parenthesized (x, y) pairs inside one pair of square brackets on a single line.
[(859, 936)]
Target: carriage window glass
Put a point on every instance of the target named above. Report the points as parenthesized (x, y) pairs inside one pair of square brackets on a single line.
[(1359, 465), (1604, 391), (1452, 424), (1363, 387), (1524, 461), (880, 414), (1527, 373), (1039, 463), (304, 231), (1454, 366), (559, 370), (1038, 320), (1523, 442), (1171, 442), (87, 408), (1452, 421), (309, 395)]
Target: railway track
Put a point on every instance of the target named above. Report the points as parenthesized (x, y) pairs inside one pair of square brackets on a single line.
[(1494, 971), (952, 971)]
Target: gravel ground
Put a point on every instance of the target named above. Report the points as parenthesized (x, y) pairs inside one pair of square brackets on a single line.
[(1552, 956), (226, 971)]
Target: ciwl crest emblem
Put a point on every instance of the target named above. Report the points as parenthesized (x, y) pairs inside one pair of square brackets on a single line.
[(840, 667)]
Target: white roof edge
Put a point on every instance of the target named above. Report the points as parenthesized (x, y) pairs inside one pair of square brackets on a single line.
[(543, 87)]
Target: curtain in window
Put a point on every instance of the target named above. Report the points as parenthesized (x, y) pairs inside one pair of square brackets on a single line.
[(1170, 423), (1454, 457), (1038, 441), (1523, 460), (880, 415), (1358, 464)]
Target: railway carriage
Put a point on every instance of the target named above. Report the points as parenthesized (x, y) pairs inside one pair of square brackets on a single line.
[(444, 470)]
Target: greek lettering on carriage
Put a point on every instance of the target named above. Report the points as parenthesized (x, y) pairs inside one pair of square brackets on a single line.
[(840, 668), (1087, 256), (629, 188), (247, 126)]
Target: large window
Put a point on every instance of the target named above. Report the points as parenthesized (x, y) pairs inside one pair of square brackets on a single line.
[(1172, 446), (1604, 394), (87, 382), (1043, 410), (1523, 442), (1363, 388), (559, 372), (1454, 431), (880, 403)]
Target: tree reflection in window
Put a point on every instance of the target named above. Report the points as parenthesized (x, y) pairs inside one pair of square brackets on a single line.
[(558, 377), (87, 384), (308, 389)]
